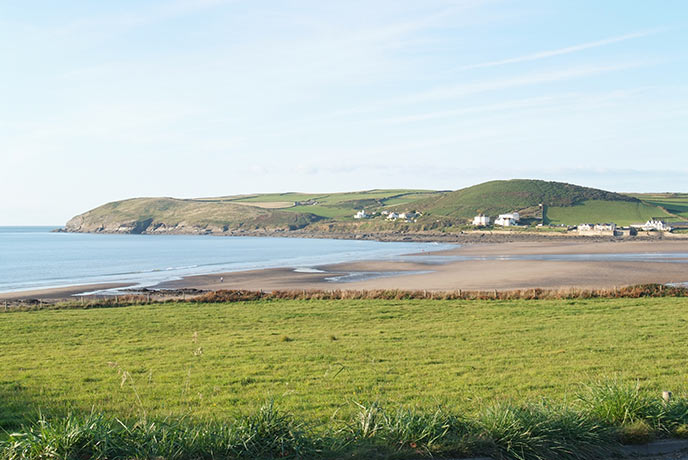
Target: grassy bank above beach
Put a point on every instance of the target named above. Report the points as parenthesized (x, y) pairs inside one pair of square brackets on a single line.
[(361, 378), (317, 358)]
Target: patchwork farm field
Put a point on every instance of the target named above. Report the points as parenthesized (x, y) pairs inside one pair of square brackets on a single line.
[(317, 359), (619, 212), (675, 203)]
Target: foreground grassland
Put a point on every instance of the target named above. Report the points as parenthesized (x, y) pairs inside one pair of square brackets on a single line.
[(317, 358)]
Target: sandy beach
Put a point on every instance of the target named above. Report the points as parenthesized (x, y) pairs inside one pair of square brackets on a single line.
[(442, 271), (474, 274), (58, 293)]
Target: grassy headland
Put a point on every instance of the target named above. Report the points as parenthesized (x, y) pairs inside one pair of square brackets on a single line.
[(438, 211)]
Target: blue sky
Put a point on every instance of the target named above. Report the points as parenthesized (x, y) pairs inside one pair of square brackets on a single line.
[(110, 100)]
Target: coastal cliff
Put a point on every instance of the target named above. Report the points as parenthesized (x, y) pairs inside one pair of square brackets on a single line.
[(177, 216), (555, 205)]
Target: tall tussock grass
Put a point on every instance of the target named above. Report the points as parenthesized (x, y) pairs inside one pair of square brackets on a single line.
[(231, 296), (544, 431), (639, 414), (411, 433), (602, 417), (267, 433), (645, 290)]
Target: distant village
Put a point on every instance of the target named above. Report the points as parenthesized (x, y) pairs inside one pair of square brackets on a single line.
[(410, 216), (601, 229), (513, 219)]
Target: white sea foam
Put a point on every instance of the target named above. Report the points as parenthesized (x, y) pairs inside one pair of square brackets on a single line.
[(308, 270), (35, 258)]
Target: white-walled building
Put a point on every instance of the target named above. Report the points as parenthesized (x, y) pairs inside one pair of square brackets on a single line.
[(507, 220), (361, 214), (597, 229), (604, 228), (655, 225), (481, 221), (392, 216)]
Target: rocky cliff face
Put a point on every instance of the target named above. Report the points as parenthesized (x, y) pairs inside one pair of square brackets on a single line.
[(81, 224)]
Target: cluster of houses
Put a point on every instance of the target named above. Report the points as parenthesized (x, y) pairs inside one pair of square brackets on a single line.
[(652, 225), (512, 219), (503, 220), (407, 216), (606, 229), (598, 229), (390, 215)]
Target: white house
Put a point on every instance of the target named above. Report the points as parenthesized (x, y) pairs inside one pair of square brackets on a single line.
[(597, 229), (657, 225), (507, 220), (361, 214), (392, 216), (602, 228), (481, 221)]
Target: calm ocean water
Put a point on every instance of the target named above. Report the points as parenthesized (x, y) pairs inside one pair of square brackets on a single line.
[(34, 257)]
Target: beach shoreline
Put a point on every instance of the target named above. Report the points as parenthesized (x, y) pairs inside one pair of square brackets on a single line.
[(461, 237), (492, 274), (472, 266), (60, 292)]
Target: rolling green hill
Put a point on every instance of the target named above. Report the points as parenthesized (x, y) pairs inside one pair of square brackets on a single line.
[(598, 211), (675, 203), (496, 197), (270, 212), (341, 205), (563, 203), (150, 215)]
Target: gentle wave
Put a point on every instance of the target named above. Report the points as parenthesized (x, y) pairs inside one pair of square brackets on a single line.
[(35, 258)]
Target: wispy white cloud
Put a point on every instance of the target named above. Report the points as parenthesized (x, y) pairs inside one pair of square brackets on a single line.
[(561, 51), (399, 29), (515, 104), (171, 9), (477, 87), (570, 100), (521, 80)]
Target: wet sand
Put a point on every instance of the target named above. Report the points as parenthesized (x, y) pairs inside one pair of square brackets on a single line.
[(429, 275), (474, 274), (574, 247), (58, 293)]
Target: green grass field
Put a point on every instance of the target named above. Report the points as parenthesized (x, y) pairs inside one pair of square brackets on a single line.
[(675, 203), (317, 358), (337, 198), (597, 211), (342, 206)]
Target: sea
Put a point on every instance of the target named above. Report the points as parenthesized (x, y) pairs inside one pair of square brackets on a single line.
[(38, 258)]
